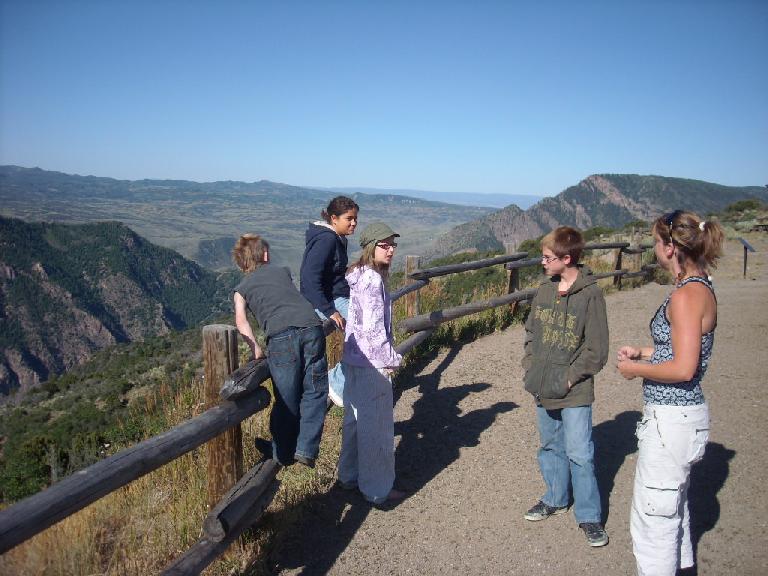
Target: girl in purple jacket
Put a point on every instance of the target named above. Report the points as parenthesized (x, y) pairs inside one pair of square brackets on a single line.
[(367, 459)]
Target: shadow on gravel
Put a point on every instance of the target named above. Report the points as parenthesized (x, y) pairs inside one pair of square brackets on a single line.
[(327, 525), (707, 478), (429, 442), (614, 441)]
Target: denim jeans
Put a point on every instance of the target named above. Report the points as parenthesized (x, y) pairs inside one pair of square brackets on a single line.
[(336, 375), (296, 359), (367, 456), (566, 460)]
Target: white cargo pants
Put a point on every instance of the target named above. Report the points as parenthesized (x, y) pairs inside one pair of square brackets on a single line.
[(670, 439)]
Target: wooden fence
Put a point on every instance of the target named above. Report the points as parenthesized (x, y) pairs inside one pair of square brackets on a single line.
[(233, 394)]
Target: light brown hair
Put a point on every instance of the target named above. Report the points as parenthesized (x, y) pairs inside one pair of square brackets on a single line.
[(248, 252), (367, 259), (565, 241), (698, 241)]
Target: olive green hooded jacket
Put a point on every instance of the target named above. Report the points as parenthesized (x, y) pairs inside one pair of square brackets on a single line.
[(566, 340)]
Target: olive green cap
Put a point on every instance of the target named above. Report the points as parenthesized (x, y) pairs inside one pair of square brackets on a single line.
[(376, 232)]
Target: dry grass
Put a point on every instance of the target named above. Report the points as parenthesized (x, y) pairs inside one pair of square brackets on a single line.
[(142, 527)]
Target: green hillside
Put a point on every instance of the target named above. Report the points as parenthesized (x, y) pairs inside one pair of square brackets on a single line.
[(69, 422), (69, 290)]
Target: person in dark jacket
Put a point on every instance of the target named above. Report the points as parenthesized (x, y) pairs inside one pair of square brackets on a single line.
[(566, 344), (324, 263), (323, 267)]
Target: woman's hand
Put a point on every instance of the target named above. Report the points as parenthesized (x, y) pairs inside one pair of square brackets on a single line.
[(628, 368), (339, 319), (629, 353)]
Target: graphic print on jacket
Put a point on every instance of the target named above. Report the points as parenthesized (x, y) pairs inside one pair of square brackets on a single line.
[(566, 341)]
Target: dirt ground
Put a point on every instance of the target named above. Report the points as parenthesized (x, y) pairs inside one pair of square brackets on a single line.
[(466, 453)]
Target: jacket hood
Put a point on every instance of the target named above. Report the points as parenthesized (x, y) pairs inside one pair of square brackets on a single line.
[(317, 229), (584, 279)]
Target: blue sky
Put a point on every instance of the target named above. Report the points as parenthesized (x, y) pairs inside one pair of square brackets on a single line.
[(507, 97)]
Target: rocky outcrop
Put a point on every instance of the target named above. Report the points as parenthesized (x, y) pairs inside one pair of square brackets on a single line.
[(610, 200), (69, 291)]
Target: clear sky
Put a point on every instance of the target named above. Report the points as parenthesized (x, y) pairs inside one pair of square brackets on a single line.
[(472, 96)]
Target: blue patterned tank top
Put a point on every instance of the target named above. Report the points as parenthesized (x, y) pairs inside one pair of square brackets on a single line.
[(682, 393)]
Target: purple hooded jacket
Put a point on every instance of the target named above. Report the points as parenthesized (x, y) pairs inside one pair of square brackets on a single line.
[(368, 336)]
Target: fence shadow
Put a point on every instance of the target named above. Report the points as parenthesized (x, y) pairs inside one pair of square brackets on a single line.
[(327, 524), (430, 441), (614, 441)]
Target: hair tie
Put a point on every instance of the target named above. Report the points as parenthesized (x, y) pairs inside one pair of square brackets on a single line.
[(701, 225)]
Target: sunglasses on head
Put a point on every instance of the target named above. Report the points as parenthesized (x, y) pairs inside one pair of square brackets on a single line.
[(670, 218)]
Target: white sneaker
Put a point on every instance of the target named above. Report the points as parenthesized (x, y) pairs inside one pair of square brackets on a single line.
[(336, 385), (335, 398)]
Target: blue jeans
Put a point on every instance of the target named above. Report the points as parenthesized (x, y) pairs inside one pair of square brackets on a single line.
[(336, 375), (296, 359), (567, 460), (341, 304)]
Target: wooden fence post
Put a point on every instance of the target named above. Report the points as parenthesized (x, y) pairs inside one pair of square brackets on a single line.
[(225, 452), (513, 276), (617, 266), (412, 300)]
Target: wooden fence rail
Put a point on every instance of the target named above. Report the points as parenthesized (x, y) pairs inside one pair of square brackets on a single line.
[(246, 501), (39, 511), (241, 396)]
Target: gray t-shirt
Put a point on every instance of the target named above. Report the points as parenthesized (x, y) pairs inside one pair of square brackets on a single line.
[(275, 302)]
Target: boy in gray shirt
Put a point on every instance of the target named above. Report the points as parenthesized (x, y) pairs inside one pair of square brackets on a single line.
[(295, 351)]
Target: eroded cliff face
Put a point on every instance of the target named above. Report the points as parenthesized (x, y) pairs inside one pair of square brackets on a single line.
[(136, 316), (610, 200), (58, 335), (69, 291)]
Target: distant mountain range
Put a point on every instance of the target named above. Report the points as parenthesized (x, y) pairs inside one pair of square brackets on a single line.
[(69, 290), (66, 291), (465, 198), (202, 220), (610, 200)]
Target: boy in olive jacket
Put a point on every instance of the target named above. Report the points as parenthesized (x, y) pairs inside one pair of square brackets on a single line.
[(566, 344)]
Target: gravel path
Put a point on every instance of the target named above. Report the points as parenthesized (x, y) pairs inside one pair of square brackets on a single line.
[(467, 445)]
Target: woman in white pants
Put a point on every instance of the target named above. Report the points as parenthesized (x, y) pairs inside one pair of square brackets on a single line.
[(367, 459), (674, 430)]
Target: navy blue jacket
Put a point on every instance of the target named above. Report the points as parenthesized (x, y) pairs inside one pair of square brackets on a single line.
[(323, 267)]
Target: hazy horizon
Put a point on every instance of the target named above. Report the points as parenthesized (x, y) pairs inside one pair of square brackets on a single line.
[(496, 98)]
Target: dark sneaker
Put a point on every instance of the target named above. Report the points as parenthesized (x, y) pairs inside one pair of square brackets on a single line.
[(265, 447), (596, 534), (346, 485), (309, 462), (541, 512)]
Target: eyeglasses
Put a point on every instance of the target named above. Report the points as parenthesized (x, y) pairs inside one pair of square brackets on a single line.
[(549, 259), (385, 246)]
